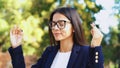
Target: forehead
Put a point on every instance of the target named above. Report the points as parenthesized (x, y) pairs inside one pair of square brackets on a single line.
[(58, 16)]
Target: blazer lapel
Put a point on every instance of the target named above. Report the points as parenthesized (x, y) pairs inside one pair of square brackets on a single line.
[(51, 56), (73, 56)]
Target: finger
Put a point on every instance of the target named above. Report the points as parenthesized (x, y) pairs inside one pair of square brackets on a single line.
[(93, 25), (13, 29), (17, 29), (21, 32), (92, 32), (95, 31)]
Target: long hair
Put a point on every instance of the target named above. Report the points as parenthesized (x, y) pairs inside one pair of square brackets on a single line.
[(73, 16)]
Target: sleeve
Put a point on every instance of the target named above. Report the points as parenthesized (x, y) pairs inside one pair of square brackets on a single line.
[(96, 59), (17, 57)]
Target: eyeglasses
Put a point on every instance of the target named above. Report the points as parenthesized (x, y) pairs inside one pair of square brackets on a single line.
[(60, 24)]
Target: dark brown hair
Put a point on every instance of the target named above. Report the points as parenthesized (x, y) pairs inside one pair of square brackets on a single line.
[(73, 16)]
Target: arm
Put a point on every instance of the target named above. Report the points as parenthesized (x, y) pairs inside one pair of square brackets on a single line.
[(95, 51), (96, 59), (17, 57), (16, 53)]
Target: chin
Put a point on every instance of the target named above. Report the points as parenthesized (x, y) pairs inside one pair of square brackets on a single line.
[(58, 39)]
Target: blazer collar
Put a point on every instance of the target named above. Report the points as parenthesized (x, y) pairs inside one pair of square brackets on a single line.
[(74, 54), (72, 59), (51, 56)]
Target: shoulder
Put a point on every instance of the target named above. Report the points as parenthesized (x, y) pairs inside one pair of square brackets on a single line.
[(88, 47), (48, 50), (83, 47), (51, 48)]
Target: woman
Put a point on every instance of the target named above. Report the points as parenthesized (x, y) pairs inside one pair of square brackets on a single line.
[(67, 37)]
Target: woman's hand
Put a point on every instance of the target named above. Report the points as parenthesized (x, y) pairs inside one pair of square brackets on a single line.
[(97, 36), (16, 35)]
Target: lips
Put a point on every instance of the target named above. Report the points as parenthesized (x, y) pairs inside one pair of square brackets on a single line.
[(56, 34)]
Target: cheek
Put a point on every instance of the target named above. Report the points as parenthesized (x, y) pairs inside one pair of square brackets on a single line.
[(67, 31)]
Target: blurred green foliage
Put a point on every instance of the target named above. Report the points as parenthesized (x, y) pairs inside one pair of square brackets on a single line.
[(33, 15)]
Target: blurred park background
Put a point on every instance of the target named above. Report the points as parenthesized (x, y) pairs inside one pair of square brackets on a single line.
[(33, 15)]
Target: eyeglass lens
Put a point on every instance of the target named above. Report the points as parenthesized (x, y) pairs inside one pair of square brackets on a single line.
[(60, 24)]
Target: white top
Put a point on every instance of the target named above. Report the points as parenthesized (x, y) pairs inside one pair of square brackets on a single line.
[(61, 60)]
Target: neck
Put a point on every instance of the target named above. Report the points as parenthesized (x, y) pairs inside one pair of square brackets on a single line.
[(66, 45)]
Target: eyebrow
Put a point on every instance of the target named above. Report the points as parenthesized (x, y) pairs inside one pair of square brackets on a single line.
[(62, 19)]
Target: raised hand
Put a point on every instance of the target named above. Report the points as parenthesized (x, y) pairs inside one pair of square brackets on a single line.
[(16, 35), (97, 36)]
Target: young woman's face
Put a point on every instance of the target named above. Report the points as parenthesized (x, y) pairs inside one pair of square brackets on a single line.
[(61, 27)]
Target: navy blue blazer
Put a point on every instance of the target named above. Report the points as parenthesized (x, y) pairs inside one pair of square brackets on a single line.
[(81, 57)]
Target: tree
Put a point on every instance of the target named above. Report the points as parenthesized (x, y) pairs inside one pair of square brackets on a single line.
[(32, 16), (117, 14), (112, 51)]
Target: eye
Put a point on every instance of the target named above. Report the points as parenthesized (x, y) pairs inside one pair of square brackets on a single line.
[(61, 23), (53, 24)]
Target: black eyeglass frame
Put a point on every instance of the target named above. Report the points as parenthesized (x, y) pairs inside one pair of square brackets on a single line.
[(57, 23)]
